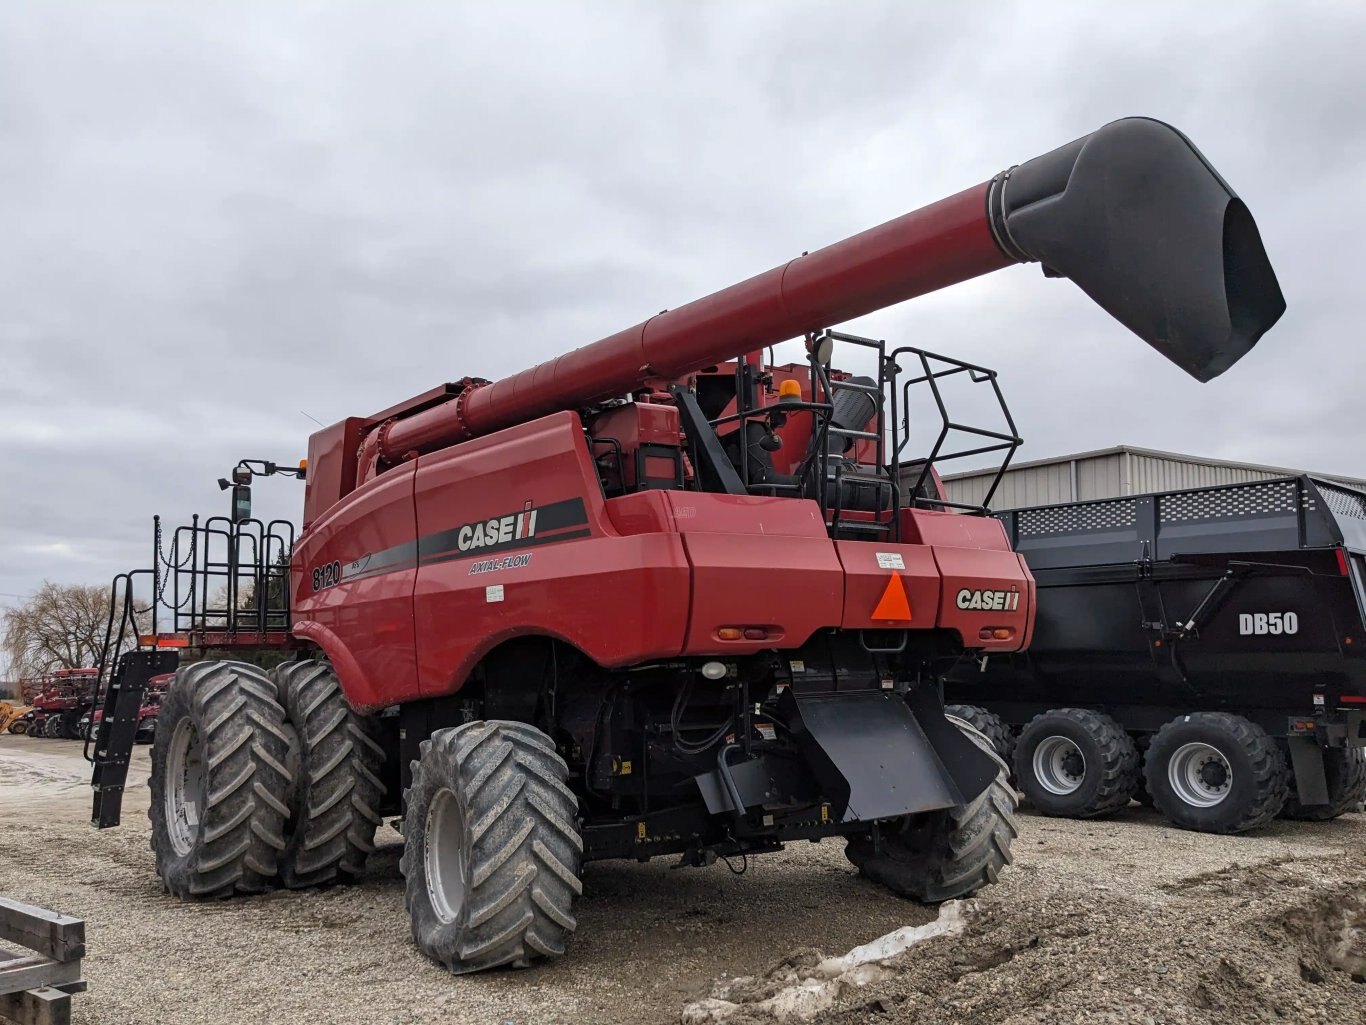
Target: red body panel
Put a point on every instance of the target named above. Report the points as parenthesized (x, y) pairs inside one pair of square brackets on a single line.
[(424, 570), (955, 530), (984, 573), (364, 621), (866, 580), (789, 587), (331, 466), (760, 563), (619, 599)]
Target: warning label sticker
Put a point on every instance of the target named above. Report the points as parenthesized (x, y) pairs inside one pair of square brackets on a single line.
[(890, 560)]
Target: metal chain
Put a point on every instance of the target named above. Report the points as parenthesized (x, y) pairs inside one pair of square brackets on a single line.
[(175, 567)]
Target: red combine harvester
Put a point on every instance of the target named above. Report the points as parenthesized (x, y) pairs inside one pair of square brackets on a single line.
[(654, 596), (63, 696)]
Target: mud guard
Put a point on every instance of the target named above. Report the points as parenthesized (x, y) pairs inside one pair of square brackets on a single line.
[(876, 755)]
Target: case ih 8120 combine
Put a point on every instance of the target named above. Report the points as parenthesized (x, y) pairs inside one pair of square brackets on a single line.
[(654, 597)]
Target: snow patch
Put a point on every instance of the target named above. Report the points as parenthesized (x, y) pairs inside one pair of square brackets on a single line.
[(795, 992)]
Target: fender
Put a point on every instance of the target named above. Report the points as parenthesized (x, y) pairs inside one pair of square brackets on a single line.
[(355, 684)]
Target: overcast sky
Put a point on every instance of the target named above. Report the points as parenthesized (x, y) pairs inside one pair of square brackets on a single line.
[(218, 220)]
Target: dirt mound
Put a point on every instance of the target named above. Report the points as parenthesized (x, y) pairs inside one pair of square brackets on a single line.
[(1273, 942)]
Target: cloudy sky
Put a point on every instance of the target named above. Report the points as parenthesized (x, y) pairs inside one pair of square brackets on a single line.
[(219, 220)]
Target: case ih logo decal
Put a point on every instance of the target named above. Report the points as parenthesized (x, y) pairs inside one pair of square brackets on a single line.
[(497, 531), (531, 525), (989, 601)]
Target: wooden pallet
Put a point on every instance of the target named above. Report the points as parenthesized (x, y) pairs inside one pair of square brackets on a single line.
[(40, 964)]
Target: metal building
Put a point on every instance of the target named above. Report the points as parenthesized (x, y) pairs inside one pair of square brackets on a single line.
[(1108, 473)]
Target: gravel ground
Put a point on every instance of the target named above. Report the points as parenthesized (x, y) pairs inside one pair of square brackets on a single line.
[(1123, 920)]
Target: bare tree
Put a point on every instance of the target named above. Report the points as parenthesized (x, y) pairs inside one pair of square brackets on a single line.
[(59, 627)]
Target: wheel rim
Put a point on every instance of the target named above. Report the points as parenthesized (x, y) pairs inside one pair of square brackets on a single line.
[(184, 786), (444, 856), (1200, 775), (1059, 766)]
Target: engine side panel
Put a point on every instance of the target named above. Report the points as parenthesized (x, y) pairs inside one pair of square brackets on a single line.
[(515, 539)]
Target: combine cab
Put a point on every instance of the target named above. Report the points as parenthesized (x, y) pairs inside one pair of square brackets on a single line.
[(656, 596)]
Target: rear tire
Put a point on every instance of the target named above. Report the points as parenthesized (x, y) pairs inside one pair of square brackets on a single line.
[(1345, 768), (942, 855), (335, 807), (1076, 763), (492, 851), (1214, 772), (990, 725), (19, 727), (220, 782), (52, 727), (71, 723)]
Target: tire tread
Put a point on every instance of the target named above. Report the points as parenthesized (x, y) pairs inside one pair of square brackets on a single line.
[(953, 853), (336, 805), (525, 849), (1269, 773), (1119, 759), (244, 743)]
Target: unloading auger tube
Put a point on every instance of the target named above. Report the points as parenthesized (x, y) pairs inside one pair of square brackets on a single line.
[(1133, 213)]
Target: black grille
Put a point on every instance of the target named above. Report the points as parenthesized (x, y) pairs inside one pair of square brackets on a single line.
[(1277, 496), (1065, 519), (1342, 501)]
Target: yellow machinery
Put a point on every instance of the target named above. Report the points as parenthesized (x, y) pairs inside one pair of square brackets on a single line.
[(12, 717)]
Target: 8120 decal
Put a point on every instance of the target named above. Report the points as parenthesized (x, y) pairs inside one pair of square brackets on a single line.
[(327, 575)]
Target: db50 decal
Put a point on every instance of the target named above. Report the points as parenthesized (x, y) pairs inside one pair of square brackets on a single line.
[(1256, 624)]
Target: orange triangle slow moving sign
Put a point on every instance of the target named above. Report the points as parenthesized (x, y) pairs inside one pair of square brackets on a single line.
[(894, 606)]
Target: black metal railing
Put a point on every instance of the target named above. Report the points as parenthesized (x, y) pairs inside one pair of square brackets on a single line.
[(880, 465), (222, 577)]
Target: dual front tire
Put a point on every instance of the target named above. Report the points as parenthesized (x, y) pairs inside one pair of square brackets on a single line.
[(261, 779)]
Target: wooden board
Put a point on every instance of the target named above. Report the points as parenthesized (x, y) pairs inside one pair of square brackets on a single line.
[(36, 1007), (56, 936), (40, 964)]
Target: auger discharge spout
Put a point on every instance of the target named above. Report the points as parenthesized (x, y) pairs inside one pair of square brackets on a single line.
[(1132, 213)]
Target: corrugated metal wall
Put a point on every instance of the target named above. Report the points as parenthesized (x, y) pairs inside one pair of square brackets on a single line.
[(1149, 473), (1109, 475), (1036, 485)]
